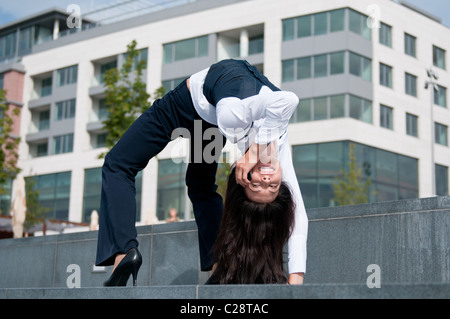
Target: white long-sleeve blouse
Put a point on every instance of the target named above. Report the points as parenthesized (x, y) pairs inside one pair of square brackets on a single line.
[(262, 118)]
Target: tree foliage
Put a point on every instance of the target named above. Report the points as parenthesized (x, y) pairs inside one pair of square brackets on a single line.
[(126, 95), (351, 187), (8, 143), (223, 171), (36, 212)]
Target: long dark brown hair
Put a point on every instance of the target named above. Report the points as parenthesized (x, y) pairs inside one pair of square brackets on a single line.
[(249, 246)]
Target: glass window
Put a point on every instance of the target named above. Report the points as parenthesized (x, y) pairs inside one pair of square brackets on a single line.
[(293, 118), (355, 64), (25, 39), (386, 166), (168, 53), (185, 49), (408, 177), (410, 84), (101, 140), (92, 192), (386, 117), (393, 176), (63, 144), (366, 111), (42, 33), (331, 159), (360, 109), (202, 46), (385, 75), (358, 24), (46, 87), (44, 120), (337, 106), (105, 67), (337, 63), (411, 125), (355, 22), (10, 44), (304, 110), (141, 56), (171, 187), (255, 45), (440, 96), (42, 149), (367, 69), (102, 112), (67, 75), (440, 134), (304, 26), (385, 34), (365, 158), (441, 180), (438, 57), (316, 24), (65, 110), (367, 32), (337, 20), (320, 108), (304, 68), (320, 23), (410, 45), (305, 160), (305, 164), (169, 85), (54, 193), (288, 69), (320, 65), (288, 29)]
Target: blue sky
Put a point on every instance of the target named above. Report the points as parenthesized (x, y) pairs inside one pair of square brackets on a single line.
[(16, 9)]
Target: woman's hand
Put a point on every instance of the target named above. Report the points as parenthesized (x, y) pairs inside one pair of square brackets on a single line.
[(296, 278), (245, 164)]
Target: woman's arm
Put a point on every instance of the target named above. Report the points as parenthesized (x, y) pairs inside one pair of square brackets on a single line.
[(297, 241), (296, 278), (279, 107), (264, 153)]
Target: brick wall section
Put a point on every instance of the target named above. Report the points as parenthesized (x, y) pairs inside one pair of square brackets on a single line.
[(13, 84)]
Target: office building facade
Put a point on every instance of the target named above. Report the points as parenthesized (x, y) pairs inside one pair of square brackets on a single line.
[(359, 68)]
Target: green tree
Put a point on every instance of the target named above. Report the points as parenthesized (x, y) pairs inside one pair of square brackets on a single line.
[(8, 143), (36, 213), (223, 170), (126, 95), (351, 187)]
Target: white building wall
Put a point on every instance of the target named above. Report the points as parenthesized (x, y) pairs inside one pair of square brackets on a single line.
[(270, 13)]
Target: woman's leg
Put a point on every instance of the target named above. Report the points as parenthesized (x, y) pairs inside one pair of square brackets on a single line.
[(206, 202), (145, 138)]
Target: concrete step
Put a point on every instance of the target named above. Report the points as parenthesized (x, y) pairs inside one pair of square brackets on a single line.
[(266, 292), (405, 242)]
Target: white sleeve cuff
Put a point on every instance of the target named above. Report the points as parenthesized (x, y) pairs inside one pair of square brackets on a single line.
[(297, 254)]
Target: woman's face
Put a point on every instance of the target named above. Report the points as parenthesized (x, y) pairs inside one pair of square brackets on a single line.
[(265, 182)]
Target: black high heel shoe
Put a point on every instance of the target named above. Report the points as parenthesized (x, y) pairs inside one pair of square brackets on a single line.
[(129, 265)]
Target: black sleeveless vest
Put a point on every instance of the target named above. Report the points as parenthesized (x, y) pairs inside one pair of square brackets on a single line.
[(233, 78)]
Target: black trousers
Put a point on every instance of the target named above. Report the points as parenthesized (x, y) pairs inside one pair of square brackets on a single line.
[(145, 138)]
